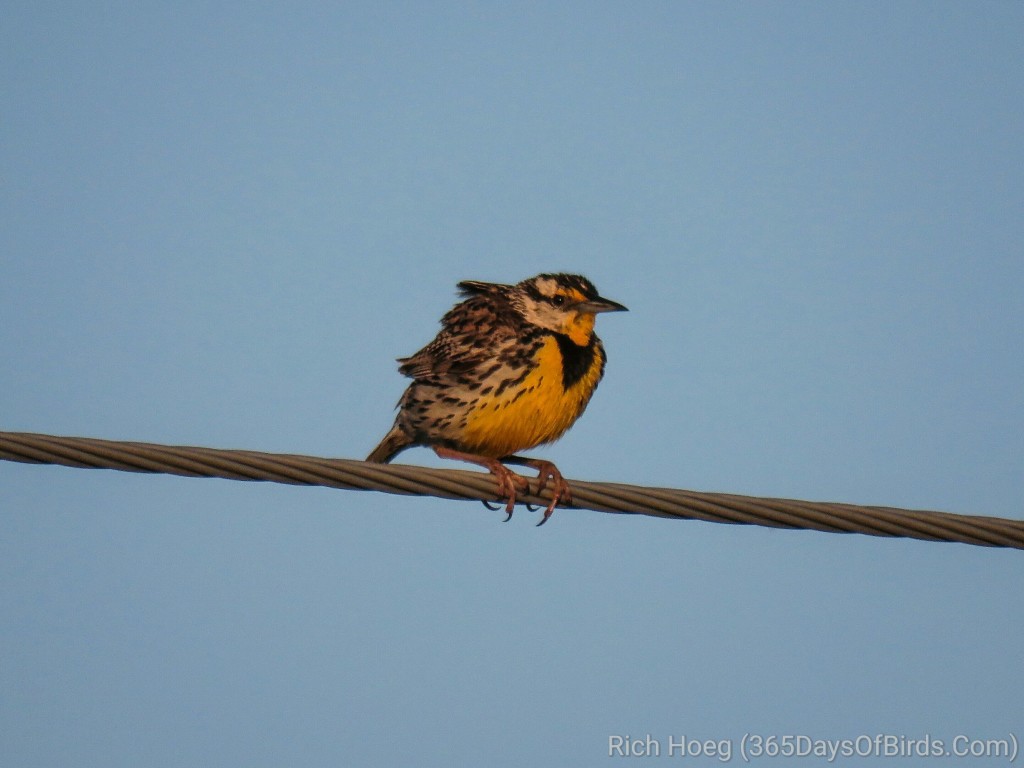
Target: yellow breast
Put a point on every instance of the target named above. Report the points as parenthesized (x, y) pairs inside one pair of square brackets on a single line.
[(539, 410)]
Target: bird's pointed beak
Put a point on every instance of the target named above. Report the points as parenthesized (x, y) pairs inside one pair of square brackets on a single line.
[(600, 304)]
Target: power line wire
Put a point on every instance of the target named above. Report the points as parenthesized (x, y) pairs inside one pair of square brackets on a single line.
[(456, 484)]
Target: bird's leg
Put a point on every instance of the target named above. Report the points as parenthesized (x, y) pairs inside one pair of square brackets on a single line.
[(560, 492), (509, 483)]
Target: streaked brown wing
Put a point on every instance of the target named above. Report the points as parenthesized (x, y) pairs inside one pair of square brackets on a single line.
[(472, 334)]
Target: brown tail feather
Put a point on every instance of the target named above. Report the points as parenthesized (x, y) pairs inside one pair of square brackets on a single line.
[(394, 442)]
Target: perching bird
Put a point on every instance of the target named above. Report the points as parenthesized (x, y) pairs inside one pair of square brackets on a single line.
[(513, 367)]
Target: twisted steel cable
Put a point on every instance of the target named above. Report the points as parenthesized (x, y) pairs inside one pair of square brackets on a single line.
[(456, 484)]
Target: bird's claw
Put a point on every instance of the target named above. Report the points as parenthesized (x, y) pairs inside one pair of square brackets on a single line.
[(495, 507), (509, 485), (560, 492)]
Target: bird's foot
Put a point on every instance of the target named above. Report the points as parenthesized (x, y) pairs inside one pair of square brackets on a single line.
[(510, 484), (546, 471), (560, 491)]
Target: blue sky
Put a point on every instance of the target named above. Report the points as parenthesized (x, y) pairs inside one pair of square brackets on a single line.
[(220, 225)]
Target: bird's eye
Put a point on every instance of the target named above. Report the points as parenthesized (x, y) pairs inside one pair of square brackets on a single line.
[(558, 300)]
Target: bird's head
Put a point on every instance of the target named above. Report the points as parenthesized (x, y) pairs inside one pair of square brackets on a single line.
[(562, 303)]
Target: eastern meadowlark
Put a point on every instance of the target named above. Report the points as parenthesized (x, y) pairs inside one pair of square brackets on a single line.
[(513, 367)]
